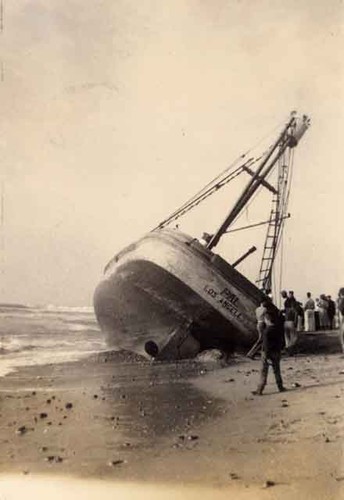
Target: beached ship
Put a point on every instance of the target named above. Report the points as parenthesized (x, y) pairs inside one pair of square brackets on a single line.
[(170, 296)]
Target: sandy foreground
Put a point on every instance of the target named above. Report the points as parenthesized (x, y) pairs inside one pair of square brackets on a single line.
[(100, 428)]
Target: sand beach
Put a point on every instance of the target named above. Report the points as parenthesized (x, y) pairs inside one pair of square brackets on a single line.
[(186, 430)]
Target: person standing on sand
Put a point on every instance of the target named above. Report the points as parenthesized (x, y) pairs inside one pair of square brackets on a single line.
[(290, 333), (290, 318), (323, 316), (272, 344), (316, 315), (331, 311), (340, 304), (309, 313), (300, 317), (260, 316), (284, 296), (291, 300)]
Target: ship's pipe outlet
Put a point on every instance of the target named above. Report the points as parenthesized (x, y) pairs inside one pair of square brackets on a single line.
[(151, 348)]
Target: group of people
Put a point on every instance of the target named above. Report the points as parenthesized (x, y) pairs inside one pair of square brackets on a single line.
[(278, 329), (311, 316), (319, 314)]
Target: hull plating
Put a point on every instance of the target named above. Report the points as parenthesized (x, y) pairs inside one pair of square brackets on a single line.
[(167, 279)]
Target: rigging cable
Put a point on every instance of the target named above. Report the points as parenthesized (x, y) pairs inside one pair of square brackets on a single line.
[(204, 192), (281, 269), (244, 155), (280, 237), (271, 173)]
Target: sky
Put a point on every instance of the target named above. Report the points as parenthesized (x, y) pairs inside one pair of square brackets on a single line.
[(115, 112)]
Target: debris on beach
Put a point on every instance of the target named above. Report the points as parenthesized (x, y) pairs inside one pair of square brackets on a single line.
[(68, 406), (126, 445), (269, 484), (22, 430), (54, 458), (193, 437), (234, 476), (114, 463), (189, 437), (211, 355), (43, 415)]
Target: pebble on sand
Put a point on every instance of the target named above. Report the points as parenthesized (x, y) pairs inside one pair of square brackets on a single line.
[(68, 406)]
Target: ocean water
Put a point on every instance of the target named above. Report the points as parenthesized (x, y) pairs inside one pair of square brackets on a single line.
[(40, 335), (121, 406)]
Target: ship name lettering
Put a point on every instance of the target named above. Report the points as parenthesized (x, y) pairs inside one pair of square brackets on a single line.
[(230, 308), (210, 291), (230, 296), (226, 299)]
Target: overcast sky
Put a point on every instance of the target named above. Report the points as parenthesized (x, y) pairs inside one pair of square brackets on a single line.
[(116, 111)]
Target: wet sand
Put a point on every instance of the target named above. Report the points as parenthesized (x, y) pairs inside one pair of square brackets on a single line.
[(180, 425)]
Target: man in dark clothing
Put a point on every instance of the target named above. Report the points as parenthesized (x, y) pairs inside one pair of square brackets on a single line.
[(340, 305), (284, 297), (331, 311), (271, 350), (290, 300)]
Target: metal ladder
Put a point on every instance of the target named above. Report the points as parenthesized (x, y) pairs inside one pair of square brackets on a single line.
[(277, 216)]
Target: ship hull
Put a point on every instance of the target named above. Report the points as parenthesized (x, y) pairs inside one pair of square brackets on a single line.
[(167, 289)]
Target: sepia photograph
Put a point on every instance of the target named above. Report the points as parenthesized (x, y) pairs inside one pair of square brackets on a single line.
[(171, 261)]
